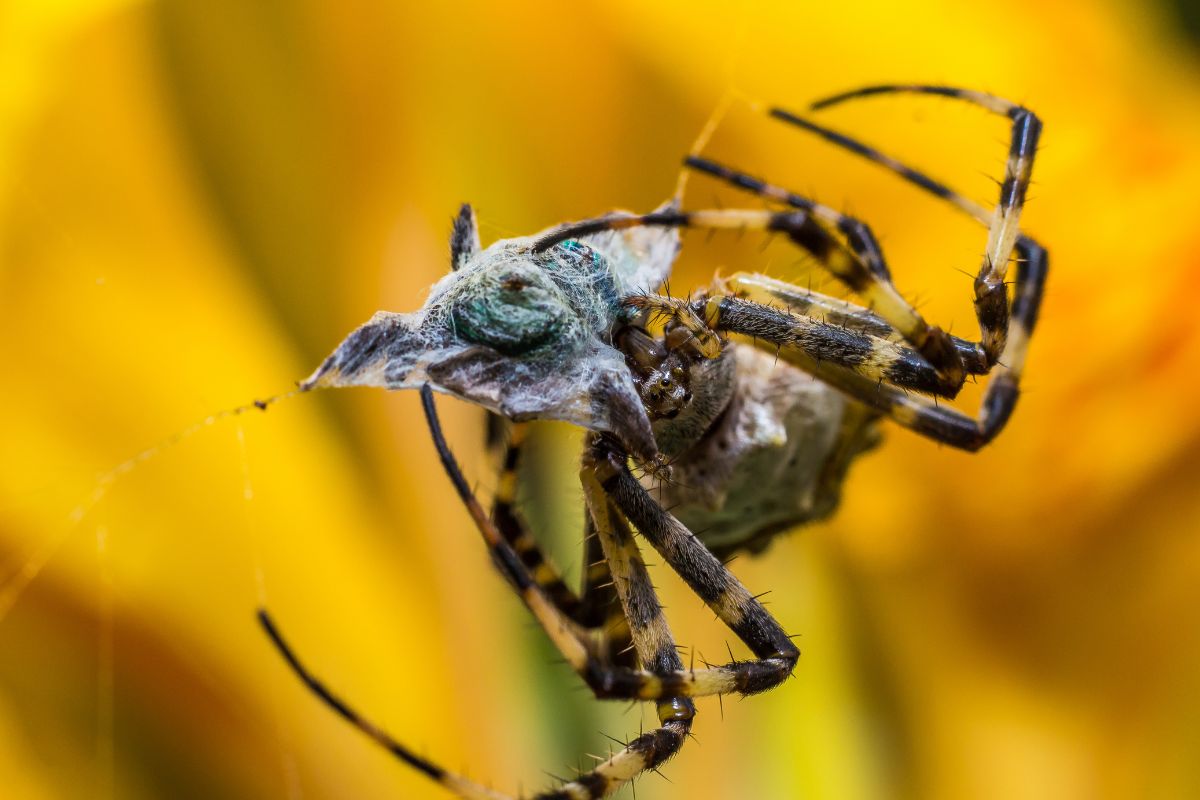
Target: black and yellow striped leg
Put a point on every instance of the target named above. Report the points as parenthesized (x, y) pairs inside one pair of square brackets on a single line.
[(775, 654), (648, 628), (991, 294), (599, 595), (816, 339), (516, 532), (600, 606), (913, 411), (862, 327), (596, 608), (935, 360), (833, 310), (858, 263), (570, 638), (858, 234), (865, 247), (700, 570)]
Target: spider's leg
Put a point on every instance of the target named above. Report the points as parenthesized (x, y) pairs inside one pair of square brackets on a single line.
[(1025, 133), (600, 605), (833, 310), (913, 411), (775, 655), (462, 787), (991, 297), (858, 234), (932, 347), (645, 752), (991, 308), (651, 635), (989, 101)]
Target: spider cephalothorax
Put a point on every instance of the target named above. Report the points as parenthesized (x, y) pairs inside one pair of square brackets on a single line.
[(746, 405)]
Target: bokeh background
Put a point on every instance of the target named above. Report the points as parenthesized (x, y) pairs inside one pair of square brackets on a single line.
[(199, 199)]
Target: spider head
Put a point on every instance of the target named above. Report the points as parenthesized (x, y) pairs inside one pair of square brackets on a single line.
[(522, 333)]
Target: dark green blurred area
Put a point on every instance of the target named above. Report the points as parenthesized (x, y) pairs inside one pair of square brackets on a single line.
[(1187, 14)]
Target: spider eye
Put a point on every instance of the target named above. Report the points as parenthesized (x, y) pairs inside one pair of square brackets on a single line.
[(513, 315)]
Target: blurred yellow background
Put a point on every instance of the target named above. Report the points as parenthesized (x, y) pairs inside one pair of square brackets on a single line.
[(199, 199)]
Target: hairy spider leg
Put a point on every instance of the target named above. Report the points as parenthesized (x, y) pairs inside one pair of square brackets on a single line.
[(836, 311), (991, 293), (859, 238), (871, 357), (859, 235), (651, 635), (601, 605), (994, 322), (989, 101), (743, 614), (1030, 285)]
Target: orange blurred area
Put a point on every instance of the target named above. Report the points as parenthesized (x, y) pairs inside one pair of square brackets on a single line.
[(198, 200)]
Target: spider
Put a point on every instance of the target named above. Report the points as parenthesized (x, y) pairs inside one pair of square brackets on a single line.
[(742, 439)]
